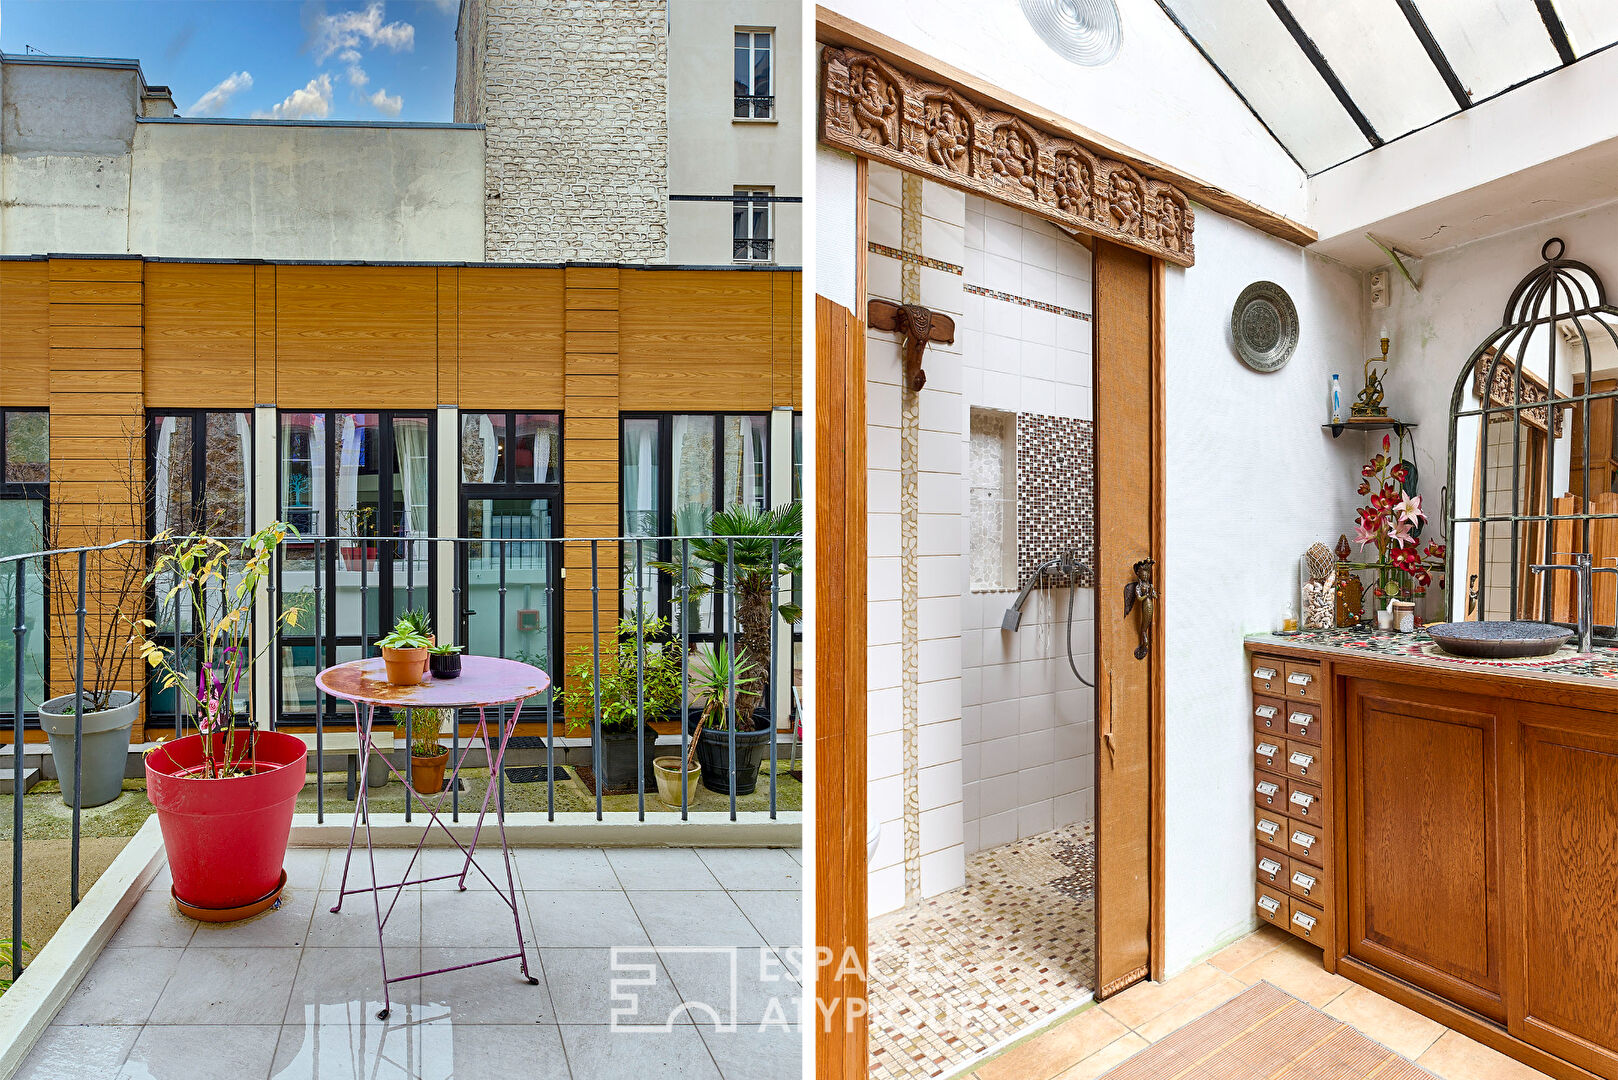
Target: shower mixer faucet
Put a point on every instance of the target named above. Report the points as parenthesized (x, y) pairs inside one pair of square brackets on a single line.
[(1069, 565)]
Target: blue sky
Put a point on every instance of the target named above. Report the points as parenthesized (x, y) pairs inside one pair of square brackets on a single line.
[(333, 60)]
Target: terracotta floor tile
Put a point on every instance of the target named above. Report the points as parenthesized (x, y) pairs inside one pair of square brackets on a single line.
[(1210, 997), (1298, 971), (1399, 1029), (1115, 1052), (1260, 942), (1141, 1002), (1455, 1057), (1063, 1046)]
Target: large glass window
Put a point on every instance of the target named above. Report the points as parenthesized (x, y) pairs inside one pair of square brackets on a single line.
[(677, 470), (755, 96), (511, 498), (359, 488), (25, 439), (752, 225)]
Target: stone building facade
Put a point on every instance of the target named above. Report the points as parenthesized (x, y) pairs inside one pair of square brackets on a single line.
[(573, 97)]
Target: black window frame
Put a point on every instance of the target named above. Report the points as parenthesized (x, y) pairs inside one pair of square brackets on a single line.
[(749, 101), (26, 491), (752, 249)]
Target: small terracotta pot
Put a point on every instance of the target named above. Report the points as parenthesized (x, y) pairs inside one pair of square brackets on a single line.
[(427, 773), (667, 770), (406, 667), (432, 639)]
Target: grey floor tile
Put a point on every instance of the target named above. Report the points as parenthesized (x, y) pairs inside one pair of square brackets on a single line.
[(641, 869), (284, 925), (392, 864), (600, 1053), (797, 855), (489, 1051), (754, 869), (355, 925), (694, 918), (201, 1053), (305, 867), (121, 987), (79, 1053), (228, 986), (154, 920), (488, 994), (627, 985), (564, 870), (755, 1052), (583, 919), (734, 985), (454, 919), (336, 986), (777, 915), (452, 860), (344, 1052)]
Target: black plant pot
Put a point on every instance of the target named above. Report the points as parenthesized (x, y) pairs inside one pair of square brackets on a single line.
[(619, 754), (752, 751), (444, 666)]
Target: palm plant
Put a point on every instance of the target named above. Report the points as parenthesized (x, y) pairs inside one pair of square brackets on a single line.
[(715, 675), (759, 547)]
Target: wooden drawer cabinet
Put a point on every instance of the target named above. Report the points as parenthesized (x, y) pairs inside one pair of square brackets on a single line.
[(1303, 681), (1270, 792), (1303, 723), (1304, 842), (1274, 905), (1271, 830), (1274, 868), (1269, 751), (1307, 882), (1269, 676), (1307, 921), (1303, 761), (1269, 716), (1303, 801)]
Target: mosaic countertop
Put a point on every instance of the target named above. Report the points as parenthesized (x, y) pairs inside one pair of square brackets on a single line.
[(1599, 667)]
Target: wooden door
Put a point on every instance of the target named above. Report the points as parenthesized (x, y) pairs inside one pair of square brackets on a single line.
[(1423, 867), (839, 703), (1128, 469), (1563, 909)]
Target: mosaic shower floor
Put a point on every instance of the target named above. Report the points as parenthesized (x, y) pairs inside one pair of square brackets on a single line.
[(957, 975)]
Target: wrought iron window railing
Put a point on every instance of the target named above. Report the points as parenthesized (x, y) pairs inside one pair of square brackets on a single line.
[(754, 107), (744, 250)]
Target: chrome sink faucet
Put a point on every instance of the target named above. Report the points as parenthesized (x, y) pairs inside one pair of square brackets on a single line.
[(1584, 566)]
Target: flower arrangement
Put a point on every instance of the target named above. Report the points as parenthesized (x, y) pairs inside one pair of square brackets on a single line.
[(202, 566), (1390, 521)]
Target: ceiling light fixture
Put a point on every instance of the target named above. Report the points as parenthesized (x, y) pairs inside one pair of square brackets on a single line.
[(1087, 32)]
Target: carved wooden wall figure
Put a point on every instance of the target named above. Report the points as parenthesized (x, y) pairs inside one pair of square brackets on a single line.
[(871, 108), (918, 326)]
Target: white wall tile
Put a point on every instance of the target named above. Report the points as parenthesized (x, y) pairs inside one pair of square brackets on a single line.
[(940, 743), (886, 890), (1035, 818), (997, 829), (939, 700), (999, 758), (939, 785), (940, 830), (882, 710), (885, 755), (944, 870)]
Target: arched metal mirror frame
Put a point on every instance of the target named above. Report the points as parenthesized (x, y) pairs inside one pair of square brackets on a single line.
[(1549, 295)]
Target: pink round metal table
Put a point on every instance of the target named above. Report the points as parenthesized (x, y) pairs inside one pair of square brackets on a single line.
[(484, 681)]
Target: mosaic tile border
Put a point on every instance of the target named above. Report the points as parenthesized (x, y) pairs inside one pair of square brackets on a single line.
[(909, 533), (1056, 492), (913, 257), (1013, 298)]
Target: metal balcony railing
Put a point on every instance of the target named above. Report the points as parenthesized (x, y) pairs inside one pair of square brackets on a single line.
[(754, 107), (753, 250), (409, 562)]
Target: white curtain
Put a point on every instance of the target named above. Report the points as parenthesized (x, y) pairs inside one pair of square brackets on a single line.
[(348, 476), (244, 436), (410, 445), (165, 439)]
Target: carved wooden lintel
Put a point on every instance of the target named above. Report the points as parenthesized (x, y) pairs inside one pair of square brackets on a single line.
[(1533, 389), (874, 109), (918, 326)]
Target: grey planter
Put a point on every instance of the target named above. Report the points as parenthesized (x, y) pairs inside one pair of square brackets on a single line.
[(106, 745)]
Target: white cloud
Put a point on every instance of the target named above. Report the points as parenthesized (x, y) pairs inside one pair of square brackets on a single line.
[(210, 103), (311, 102), (385, 104), (356, 73), (448, 7), (329, 34)]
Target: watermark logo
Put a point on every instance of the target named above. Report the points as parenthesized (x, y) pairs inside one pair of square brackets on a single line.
[(727, 988)]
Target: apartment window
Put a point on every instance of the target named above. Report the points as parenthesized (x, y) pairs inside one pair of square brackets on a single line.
[(753, 225), (25, 465), (755, 94)]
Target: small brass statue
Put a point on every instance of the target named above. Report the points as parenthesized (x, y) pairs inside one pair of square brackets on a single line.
[(1142, 590), (1369, 404)]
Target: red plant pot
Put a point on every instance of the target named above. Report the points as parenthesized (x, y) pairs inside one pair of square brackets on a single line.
[(226, 838)]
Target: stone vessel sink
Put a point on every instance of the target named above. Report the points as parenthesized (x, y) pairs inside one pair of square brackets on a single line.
[(1500, 640)]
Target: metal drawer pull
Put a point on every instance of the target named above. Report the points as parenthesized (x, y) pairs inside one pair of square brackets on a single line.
[(1267, 749), (1303, 881), (1304, 920), (1302, 798), (1302, 719), (1269, 903), (1264, 673), (1269, 866), (1268, 789), (1300, 678), (1266, 711), (1302, 760), (1268, 828), (1303, 840)]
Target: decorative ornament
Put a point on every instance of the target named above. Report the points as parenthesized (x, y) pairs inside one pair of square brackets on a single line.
[(1264, 326)]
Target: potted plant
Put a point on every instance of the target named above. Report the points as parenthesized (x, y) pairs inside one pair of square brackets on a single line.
[(444, 661), (658, 692), (427, 757), (418, 621), (717, 676), (760, 547), (404, 654), (225, 795)]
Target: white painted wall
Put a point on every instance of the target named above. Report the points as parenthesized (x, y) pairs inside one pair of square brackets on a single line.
[(1157, 95), (1252, 482), (834, 213)]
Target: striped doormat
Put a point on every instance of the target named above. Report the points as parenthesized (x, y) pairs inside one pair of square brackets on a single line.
[(1266, 1034)]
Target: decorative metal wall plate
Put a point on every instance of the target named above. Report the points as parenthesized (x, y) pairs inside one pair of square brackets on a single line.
[(1264, 326)]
